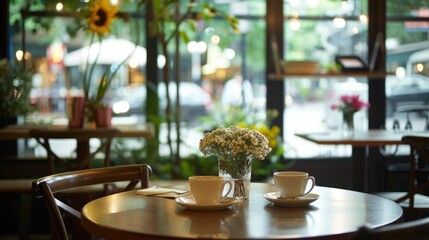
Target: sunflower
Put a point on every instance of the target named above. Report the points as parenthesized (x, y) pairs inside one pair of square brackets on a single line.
[(101, 16)]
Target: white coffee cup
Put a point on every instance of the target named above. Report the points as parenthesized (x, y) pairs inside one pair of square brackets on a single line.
[(208, 189), (292, 184)]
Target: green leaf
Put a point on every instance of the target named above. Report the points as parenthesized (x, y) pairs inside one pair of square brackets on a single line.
[(184, 36)]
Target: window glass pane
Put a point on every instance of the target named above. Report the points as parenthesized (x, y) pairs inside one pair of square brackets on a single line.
[(231, 70), (414, 8), (318, 31), (213, 57), (57, 49), (407, 93), (318, 8)]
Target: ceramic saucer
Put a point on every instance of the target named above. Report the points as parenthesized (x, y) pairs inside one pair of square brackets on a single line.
[(189, 203), (285, 202)]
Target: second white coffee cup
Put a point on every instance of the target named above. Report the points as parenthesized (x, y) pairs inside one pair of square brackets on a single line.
[(208, 189), (293, 184)]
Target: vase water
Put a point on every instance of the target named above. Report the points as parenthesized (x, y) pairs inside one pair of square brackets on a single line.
[(239, 171), (348, 125)]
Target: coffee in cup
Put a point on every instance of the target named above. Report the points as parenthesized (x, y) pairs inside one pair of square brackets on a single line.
[(292, 184), (209, 189)]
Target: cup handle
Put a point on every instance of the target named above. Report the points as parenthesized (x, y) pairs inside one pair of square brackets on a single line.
[(227, 182), (313, 180)]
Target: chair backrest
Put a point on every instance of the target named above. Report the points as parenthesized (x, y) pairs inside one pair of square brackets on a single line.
[(415, 230), (47, 187), (419, 150), (418, 170)]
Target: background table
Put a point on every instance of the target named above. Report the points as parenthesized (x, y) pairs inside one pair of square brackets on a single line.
[(81, 135), (360, 141), (23, 131), (335, 215)]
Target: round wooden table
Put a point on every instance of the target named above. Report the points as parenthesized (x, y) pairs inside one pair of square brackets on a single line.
[(337, 214)]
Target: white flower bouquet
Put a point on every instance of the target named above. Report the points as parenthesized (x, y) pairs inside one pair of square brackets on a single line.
[(237, 141)]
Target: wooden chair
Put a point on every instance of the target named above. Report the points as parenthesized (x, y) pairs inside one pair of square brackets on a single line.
[(414, 201), (394, 168), (415, 230), (82, 136), (49, 187)]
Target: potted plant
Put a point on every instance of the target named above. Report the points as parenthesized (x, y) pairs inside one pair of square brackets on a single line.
[(15, 86), (99, 17), (102, 111)]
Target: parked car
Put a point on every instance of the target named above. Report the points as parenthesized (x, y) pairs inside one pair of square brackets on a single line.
[(194, 101), (408, 91)]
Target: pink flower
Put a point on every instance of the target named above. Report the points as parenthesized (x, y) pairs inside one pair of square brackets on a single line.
[(350, 104), (335, 106)]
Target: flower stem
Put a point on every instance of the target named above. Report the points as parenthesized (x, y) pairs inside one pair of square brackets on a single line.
[(240, 190)]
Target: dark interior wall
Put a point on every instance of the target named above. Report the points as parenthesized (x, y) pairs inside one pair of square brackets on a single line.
[(4, 29), (23, 167), (7, 148), (336, 172), (17, 206), (329, 172)]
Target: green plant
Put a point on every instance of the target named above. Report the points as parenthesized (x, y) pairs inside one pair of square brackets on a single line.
[(225, 116), (15, 86), (195, 164), (174, 20)]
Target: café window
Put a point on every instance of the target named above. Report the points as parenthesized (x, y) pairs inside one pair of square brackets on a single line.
[(315, 33), (407, 41), (229, 71), (55, 45), (213, 57)]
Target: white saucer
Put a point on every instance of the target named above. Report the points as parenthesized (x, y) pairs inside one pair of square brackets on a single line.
[(189, 203), (285, 202)]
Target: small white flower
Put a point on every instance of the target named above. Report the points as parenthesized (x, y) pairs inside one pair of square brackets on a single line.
[(235, 140)]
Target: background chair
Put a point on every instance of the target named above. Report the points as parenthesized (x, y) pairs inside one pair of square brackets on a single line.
[(83, 154), (49, 187), (416, 230), (412, 123), (415, 201), (409, 110), (15, 186)]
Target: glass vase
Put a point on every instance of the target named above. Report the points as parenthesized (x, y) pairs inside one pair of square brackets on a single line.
[(348, 125), (238, 169)]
